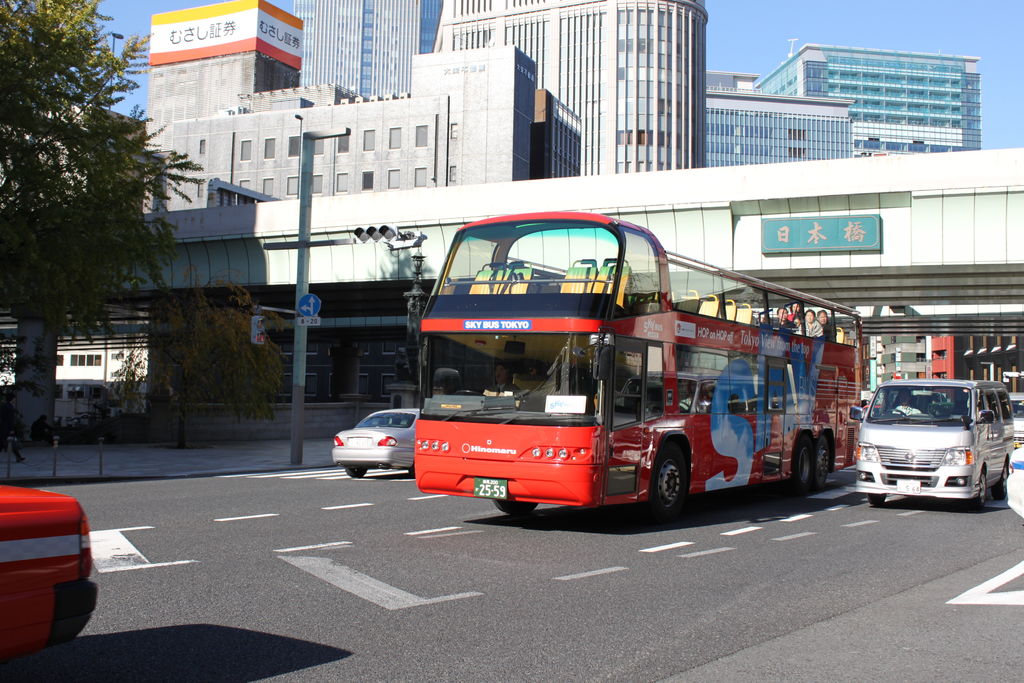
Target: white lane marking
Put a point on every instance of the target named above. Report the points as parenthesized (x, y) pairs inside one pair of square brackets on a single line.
[(584, 575), (908, 513), (455, 533), (251, 474), (432, 531), (670, 546), (332, 477), (112, 552), (366, 587), (836, 507), (862, 523), (315, 475), (983, 594), (433, 495), (744, 530), (235, 519), (335, 544), (147, 566), (796, 518), (701, 553), (792, 536), (132, 528), (285, 474), (346, 507), (832, 493)]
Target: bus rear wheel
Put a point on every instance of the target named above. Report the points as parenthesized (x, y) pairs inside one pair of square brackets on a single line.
[(515, 507), (801, 478), (670, 482), (822, 458)]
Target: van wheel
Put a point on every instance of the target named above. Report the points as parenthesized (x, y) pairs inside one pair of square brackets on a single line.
[(999, 488), (822, 456), (981, 497), (876, 500), (670, 482), (355, 472), (803, 465), (515, 507)]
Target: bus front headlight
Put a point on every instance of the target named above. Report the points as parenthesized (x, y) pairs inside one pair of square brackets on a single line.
[(867, 453)]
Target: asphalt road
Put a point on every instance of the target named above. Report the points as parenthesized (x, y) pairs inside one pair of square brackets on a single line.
[(299, 577)]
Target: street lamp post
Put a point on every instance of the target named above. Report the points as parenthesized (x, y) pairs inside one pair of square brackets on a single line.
[(114, 37)]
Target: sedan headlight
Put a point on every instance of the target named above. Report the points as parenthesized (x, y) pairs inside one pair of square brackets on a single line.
[(958, 456), (867, 453)]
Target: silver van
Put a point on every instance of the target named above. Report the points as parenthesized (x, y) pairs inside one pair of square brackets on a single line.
[(939, 438)]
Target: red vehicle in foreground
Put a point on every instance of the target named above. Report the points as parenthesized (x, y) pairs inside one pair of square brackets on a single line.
[(46, 596), (567, 358)]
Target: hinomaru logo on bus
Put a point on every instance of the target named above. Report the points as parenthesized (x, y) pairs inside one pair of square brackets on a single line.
[(476, 448)]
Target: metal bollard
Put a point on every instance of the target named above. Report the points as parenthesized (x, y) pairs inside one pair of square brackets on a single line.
[(56, 442), (100, 441)]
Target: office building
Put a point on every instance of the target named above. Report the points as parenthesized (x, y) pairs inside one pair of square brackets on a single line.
[(366, 46), (211, 59), (904, 102), (632, 70), (747, 126), (472, 118)]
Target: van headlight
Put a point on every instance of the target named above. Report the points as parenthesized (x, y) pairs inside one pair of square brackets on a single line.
[(867, 453), (958, 456)]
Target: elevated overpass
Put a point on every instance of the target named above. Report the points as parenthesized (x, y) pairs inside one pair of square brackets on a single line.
[(949, 255)]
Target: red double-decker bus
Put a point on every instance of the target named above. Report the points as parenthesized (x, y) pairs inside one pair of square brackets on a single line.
[(567, 358)]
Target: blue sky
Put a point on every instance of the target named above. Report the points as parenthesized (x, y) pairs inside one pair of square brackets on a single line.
[(752, 36)]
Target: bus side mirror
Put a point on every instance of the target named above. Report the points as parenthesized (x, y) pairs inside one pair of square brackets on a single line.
[(986, 417), (856, 413), (603, 361)]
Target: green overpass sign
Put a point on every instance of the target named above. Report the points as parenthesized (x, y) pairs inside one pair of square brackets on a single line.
[(821, 233)]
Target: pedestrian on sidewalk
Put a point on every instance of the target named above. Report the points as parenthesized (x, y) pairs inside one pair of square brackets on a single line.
[(9, 427)]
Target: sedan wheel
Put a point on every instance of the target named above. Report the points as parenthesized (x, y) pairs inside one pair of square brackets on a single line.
[(356, 472)]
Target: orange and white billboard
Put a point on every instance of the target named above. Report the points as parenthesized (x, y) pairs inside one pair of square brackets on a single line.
[(223, 29)]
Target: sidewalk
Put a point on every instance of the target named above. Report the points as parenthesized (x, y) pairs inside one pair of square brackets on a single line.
[(128, 461)]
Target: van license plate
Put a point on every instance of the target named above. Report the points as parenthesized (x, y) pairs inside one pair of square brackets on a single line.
[(908, 486), (490, 488)]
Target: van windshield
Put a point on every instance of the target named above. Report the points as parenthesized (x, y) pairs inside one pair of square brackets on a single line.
[(919, 404), (1018, 407)]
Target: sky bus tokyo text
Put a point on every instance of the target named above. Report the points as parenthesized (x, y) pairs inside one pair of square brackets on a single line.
[(568, 359)]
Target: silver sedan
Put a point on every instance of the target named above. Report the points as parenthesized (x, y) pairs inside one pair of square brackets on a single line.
[(383, 440)]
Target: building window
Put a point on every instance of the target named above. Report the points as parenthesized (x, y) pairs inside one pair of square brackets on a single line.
[(244, 183), (421, 177), (268, 186), (245, 150), (202, 146), (368, 180), (386, 379), (60, 360), (269, 148), (454, 131), (86, 360), (395, 138), (388, 348), (421, 136), (293, 185), (318, 146), (364, 383), (318, 184), (369, 140), (341, 183), (311, 384), (451, 175), (343, 144), (293, 146), (394, 179)]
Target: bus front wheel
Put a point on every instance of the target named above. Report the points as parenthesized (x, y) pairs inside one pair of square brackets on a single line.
[(515, 507), (670, 482)]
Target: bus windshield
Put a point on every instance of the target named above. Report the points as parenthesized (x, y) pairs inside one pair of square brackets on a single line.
[(529, 268), (920, 404), (543, 379)]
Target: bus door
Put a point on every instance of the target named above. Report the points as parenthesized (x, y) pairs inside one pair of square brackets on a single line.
[(775, 414), (637, 399)]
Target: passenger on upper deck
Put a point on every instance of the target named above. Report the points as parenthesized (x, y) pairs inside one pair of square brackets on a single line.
[(812, 328)]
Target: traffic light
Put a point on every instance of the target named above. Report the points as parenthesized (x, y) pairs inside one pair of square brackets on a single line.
[(257, 335), (394, 239)]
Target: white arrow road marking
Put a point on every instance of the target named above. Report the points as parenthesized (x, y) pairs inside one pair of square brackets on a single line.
[(112, 552), (983, 595), (366, 587)]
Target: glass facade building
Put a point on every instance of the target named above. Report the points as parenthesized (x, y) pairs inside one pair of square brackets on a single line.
[(746, 126), (632, 70), (904, 102), (365, 46)]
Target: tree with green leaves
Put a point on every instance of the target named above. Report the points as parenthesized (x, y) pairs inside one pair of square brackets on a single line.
[(75, 177), (202, 356)]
